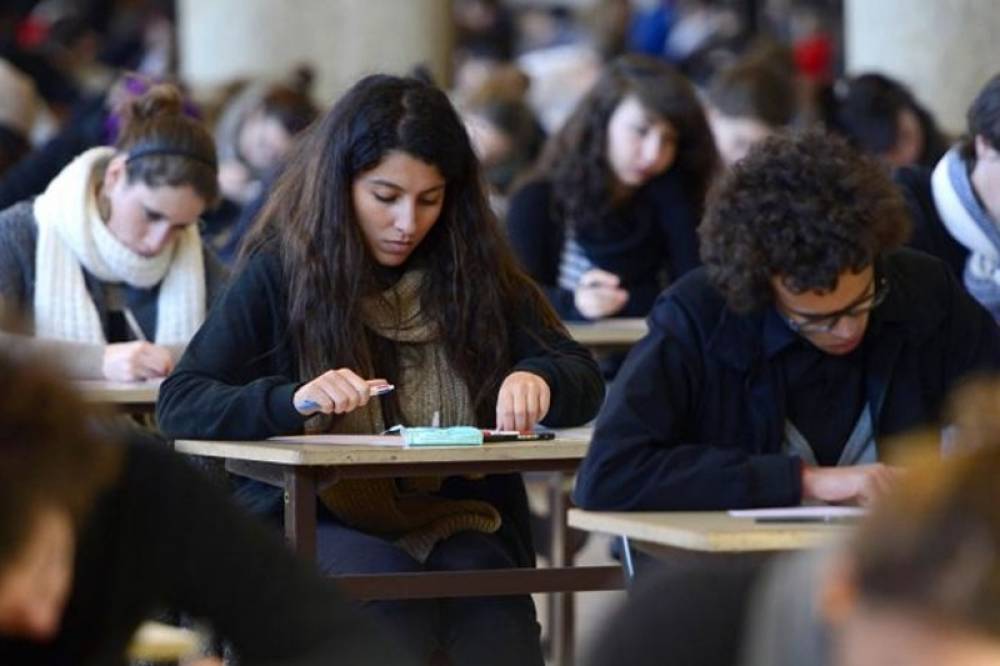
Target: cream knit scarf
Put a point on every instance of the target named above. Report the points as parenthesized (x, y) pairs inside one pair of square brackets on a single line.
[(72, 237)]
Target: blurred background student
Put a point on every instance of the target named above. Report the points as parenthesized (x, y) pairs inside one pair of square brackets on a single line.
[(955, 204), (609, 217), (254, 135), (880, 116), (98, 534), (107, 263), (505, 132), (747, 102)]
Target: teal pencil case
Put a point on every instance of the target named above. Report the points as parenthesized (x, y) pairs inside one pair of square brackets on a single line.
[(454, 436)]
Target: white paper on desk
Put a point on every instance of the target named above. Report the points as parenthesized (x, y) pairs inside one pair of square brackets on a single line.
[(806, 512), (343, 440)]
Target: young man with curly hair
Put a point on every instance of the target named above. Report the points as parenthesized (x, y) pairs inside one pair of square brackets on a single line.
[(775, 374)]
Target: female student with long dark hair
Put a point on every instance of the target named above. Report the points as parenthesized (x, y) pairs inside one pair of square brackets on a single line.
[(107, 263), (377, 259), (610, 217)]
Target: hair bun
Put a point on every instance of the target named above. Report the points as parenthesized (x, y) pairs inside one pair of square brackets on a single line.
[(162, 99)]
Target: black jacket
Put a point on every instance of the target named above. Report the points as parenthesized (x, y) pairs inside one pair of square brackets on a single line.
[(695, 419), (929, 233), (161, 538), (653, 236), (239, 373)]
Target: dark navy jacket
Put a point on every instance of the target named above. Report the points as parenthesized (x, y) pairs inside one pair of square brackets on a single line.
[(654, 233), (695, 419)]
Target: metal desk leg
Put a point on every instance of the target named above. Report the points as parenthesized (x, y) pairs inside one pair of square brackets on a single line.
[(300, 510), (627, 563), (561, 615)]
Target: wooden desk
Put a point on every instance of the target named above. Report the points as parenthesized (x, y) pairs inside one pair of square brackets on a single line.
[(707, 531), (303, 464), (608, 334), (128, 396)]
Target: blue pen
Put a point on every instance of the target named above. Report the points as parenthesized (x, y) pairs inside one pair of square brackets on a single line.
[(378, 389)]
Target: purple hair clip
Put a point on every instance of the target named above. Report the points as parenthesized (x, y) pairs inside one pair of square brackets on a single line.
[(134, 85)]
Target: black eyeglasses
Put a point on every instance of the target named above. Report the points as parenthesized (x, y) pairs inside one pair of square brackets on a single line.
[(825, 323)]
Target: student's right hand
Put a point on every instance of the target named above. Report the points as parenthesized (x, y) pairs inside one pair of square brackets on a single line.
[(334, 392), (233, 180), (599, 294), (132, 361), (856, 484)]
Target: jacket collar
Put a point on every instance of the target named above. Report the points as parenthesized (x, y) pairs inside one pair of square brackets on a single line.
[(742, 341)]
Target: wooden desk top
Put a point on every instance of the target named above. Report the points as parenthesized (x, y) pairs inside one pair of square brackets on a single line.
[(623, 332), (108, 392), (309, 450), (712, 531)]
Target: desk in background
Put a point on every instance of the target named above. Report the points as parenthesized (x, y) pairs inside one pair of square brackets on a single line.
[(682, 538), (132, 397), (706, 531), (301, 464), (608, 334)]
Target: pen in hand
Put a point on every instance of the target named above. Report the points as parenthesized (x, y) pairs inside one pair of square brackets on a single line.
[(307, 407)]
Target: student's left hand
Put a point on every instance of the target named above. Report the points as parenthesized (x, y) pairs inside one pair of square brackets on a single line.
[(523, 401)]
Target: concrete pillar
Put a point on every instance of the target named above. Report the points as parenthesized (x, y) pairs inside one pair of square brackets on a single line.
[(944, 51), (219, 40)]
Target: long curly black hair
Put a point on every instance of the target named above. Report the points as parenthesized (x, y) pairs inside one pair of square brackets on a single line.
[(804, 206), (575, 159)]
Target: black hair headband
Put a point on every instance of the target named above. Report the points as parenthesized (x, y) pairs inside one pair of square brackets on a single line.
[(147, 152)]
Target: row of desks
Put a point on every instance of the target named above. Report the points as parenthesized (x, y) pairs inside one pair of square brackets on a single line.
[(301, 464), (601, 335)]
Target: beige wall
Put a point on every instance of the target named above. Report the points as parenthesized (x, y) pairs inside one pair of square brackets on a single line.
[(945, 50), (343, 39)]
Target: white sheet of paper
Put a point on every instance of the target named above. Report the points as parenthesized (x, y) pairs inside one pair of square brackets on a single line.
[(805, 512)]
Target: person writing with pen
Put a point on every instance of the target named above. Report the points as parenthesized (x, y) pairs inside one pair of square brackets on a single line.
[(107, 264), (377, 260), (608, 216), (775, 374)]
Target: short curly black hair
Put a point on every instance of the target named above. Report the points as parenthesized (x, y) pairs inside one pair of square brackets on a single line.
[(803, 206)]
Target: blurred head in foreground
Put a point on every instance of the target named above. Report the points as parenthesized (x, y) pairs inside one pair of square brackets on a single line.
[(921, 581)]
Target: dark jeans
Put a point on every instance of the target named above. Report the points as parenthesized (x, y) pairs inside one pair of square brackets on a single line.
[(470, 630)]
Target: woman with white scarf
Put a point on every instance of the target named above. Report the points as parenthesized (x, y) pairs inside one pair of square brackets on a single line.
[(107, 265), (956, 207)]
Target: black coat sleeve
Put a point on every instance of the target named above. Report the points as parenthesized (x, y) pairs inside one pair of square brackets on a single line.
[(537, 241), (204, 557), (236, 379), (568, 368), (644, 455), (972, 345)]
